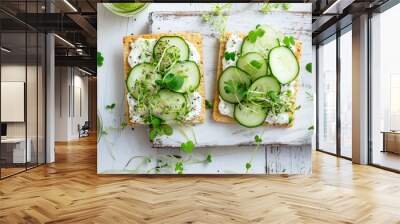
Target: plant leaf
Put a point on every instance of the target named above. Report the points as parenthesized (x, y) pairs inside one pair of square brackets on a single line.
[(153, 133), (100, 59), (309, 67), (209, 158), (257, 139), (248, 166), (179, 167), (110, 107), (187, 146), (288, 41), (174, 82), (230, 56), (166, 129), (123, 125), (209, 105), (155, 121)]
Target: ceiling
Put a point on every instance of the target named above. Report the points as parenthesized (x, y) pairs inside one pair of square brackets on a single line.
[(329, 16), (75, 23)]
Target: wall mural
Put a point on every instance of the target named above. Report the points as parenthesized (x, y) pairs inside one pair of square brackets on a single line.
[(188, 88)]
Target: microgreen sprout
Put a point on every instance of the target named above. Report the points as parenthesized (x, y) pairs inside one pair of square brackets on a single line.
[(100, 59), (110, 107), (309, 67), (288, 41), (258, 141), (269, 7), (209, 105), (218, 17), (229, 56)]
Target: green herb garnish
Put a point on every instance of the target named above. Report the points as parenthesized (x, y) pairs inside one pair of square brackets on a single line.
[(110, 107), (123, 125), (208, 158), (254, 34), (218, 16), (309, 67), (155, 121), (166, 129), (179, 167), (229, 56), (209, 105), (285, 6), (187, 146), (157, 128), (172, 81), (247, 166), (100, 59), (239, 89), (288, 41), (257, 139), (268, 7)]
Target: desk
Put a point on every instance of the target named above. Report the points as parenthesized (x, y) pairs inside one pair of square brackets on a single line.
[(391, 141), (17, 150)]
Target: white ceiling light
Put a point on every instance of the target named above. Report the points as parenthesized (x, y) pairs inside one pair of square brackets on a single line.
[(70, 5), (84, 71), (5, 50), (64, 40), (337, 7)]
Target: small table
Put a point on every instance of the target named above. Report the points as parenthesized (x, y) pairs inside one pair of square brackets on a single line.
[(391, 141), (18, 150)]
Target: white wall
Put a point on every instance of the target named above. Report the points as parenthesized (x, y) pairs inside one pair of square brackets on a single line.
[(70, 83)]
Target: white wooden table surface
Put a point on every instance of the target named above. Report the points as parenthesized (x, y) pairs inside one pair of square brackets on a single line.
[(117, 147)]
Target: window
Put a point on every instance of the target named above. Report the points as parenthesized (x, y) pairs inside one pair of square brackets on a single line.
[(385, 89), (327, 96), (346, 93)]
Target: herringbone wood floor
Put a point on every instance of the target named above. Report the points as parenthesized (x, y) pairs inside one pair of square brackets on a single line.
[(70, 191)]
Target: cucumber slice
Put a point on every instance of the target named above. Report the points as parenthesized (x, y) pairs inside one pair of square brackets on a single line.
[(254, 64), (284, 65), (170, 48), (145, 73), (249, 114), (168, 105), (191, 72), (259, 89), (263, 44), (236, 77)]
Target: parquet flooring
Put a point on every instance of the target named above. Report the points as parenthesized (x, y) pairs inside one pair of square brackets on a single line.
[(70, 191)]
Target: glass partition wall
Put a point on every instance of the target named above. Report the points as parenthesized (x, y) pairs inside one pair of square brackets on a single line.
[(334, 84), (22, 77), (385, 90)]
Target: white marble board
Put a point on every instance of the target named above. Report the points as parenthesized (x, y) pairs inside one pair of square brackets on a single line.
[(296, 23)]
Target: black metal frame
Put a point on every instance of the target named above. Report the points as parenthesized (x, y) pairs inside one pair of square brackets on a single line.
[(338, 152), (44, 73)]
